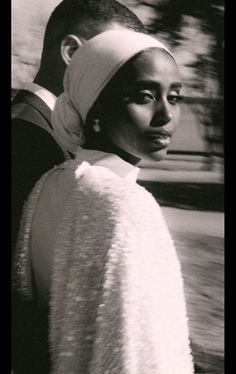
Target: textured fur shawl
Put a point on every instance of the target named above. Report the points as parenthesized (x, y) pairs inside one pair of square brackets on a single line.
[(117, 300)]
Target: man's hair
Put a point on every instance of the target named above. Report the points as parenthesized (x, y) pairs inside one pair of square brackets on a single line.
[(86, 18)]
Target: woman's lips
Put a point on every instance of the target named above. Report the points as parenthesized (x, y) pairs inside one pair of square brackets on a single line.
[(161, 138), (164, 141)]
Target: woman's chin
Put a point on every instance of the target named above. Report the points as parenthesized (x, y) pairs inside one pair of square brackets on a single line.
[(156, 156)]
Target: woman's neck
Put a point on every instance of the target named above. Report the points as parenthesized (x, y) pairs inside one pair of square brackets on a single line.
[(113, 148)]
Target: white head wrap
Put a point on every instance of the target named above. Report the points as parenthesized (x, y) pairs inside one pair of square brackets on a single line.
[(91, 68)]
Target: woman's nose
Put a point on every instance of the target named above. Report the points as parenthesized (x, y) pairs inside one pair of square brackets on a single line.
[(162, 115)]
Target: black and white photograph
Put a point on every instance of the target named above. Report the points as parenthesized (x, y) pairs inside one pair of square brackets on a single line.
[(117, 189)]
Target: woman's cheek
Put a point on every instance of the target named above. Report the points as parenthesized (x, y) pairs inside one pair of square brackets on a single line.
[(176, 117), (139, 116)]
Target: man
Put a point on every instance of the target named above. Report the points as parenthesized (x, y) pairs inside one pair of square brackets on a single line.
[(34, 148)]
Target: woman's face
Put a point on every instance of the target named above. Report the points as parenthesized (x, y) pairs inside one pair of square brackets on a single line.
[(141, 110)]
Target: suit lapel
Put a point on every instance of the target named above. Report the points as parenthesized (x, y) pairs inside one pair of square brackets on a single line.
[(38, 104)]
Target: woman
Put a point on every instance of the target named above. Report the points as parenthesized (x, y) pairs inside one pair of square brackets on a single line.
[(93, 244)]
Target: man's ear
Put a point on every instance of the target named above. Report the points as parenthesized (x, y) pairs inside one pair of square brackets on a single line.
[(69, 45)]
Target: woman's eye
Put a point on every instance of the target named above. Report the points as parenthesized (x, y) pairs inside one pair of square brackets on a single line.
[(143, 97), (174, 98)]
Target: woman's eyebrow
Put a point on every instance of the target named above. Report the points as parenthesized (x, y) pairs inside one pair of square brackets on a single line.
[(146, 83), (176, 85), (131, 87), (153, 84)]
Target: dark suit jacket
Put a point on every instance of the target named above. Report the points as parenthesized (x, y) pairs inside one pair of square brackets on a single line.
[(34, 151)]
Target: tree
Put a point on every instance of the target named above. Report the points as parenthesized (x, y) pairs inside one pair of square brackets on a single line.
[(169, 17)]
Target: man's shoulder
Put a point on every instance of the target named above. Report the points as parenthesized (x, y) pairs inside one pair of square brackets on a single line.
[(32, 128), (29, 107), (26, 97)]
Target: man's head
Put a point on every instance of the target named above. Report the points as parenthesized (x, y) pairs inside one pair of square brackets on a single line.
[(70, 25)]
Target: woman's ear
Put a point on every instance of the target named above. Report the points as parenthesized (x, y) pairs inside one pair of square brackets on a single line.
[(69, 45)]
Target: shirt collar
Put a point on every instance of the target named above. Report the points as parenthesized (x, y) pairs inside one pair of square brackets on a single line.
[(48, 97)]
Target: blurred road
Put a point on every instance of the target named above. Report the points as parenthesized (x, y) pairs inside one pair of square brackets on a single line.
[(198, 237)]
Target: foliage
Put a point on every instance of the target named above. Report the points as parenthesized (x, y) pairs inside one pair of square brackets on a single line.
[(169, 17)]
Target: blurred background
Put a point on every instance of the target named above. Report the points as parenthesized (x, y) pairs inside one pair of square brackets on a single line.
[(189, 183)]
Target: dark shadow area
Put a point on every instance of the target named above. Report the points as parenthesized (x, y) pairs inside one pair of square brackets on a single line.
[(194, 196)]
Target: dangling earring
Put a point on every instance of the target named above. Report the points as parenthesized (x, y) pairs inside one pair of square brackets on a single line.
[(96, 126)]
